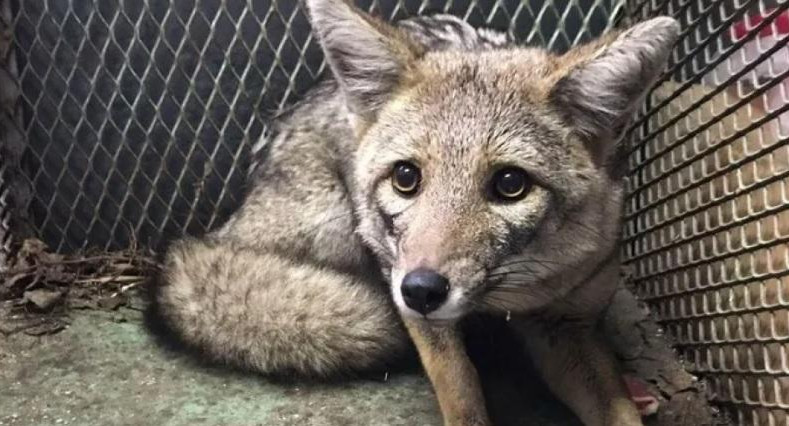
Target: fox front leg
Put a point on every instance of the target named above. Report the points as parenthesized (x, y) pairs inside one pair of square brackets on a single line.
[(451, 372), (581, 371)]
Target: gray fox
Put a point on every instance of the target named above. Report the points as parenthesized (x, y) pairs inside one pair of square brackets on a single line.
[(442, 170)]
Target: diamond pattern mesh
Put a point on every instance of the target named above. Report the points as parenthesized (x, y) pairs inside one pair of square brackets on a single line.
[(140, 115), (707, 224)]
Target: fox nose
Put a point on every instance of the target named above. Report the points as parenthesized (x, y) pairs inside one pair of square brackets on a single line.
[(424, 290)]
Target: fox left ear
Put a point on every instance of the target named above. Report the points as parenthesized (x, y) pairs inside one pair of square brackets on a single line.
[(367, 56), (606, 83)]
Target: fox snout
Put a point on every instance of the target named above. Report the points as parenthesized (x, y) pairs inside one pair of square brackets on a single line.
[(425, 271), (431, 278), (424, 290)]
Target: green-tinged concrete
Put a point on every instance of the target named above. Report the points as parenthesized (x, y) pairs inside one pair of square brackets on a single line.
[(100, 372), (107, 369)]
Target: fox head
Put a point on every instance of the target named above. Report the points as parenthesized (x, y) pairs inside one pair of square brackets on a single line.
[(481, 179)]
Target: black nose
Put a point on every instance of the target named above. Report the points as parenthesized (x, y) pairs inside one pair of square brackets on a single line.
[(424, 290)]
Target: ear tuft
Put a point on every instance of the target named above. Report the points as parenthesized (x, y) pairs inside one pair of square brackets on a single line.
[(367, 56), (600, 93)]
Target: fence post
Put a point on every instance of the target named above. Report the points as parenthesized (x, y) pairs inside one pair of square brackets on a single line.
[(14, 189)]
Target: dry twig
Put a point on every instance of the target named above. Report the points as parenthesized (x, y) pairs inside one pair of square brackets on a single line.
[(98, 280)]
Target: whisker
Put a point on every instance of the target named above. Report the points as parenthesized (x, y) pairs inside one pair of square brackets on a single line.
[(515, 274), (524, 269), (550, 265), (530, 259), (494, 302), (519, 288), (589, 229)]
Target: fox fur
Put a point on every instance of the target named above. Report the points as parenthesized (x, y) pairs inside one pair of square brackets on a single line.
[(306, 276)]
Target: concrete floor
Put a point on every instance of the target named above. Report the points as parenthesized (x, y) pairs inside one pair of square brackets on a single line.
[(107, 369), (101, 372)]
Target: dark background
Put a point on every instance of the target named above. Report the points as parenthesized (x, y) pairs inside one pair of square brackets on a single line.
[(139, 117)]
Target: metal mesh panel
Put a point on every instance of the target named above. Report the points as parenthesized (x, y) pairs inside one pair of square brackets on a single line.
[(140, 114), (707, 224), (140, 117)]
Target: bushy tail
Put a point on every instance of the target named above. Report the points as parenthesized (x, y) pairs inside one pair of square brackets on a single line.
[(263, 312)]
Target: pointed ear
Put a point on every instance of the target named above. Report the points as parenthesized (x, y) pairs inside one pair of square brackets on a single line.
[(606, 82), (367, 56)]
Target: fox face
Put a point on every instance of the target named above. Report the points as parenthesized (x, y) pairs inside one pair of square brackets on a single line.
[(481, 178)]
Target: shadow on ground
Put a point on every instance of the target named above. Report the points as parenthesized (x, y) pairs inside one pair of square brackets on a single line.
[(105, 368)]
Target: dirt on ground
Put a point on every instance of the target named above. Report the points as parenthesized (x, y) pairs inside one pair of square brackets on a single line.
[(645, 352), (41, 288)]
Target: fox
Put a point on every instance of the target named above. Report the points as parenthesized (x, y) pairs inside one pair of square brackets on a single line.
[(439, 171)]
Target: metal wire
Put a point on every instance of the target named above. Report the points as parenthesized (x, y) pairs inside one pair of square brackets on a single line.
[(140, 118), (140, 115), (707, 220)]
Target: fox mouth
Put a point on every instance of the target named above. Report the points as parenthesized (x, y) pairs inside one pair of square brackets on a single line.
[(436, 318), (449, 312)]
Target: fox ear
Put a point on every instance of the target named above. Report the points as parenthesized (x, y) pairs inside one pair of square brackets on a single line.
[(607, 81), (367, 56)]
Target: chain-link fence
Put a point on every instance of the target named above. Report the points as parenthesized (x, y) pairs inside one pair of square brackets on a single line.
[(707, 224), (140, 114), (139, 118)]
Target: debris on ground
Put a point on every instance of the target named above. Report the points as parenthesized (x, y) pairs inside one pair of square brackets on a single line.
[(40, 287), (646, 353)]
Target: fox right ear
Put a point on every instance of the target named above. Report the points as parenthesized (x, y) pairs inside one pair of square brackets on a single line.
[(608, 79), (367, 56)]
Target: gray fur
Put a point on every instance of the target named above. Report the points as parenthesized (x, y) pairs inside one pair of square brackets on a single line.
[(296, 221), (238, 308), (297, 279)]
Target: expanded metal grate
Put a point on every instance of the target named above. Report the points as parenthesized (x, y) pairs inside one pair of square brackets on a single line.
[(140, 114), (707, 223)]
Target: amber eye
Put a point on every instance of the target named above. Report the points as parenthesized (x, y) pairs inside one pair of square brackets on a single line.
[(510, 184), (405, 178)]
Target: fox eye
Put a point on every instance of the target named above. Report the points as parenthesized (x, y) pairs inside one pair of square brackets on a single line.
[(405, 178), (510, 184)]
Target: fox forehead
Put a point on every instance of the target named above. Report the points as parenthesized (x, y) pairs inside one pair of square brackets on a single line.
[(470, 110), (500, 91), (512, 69)]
